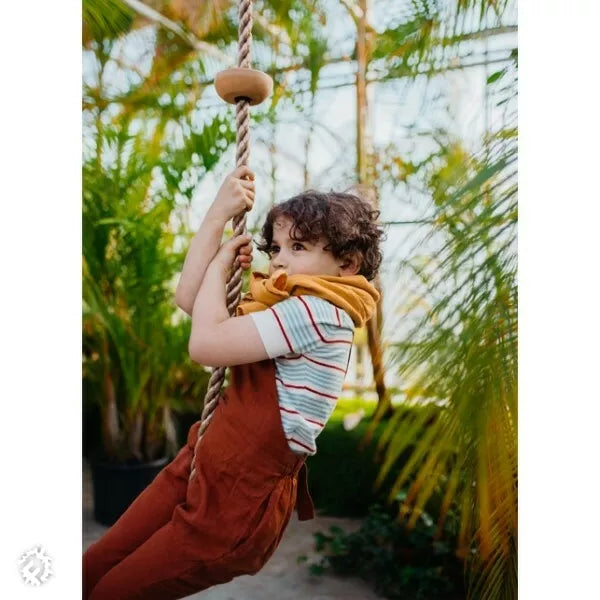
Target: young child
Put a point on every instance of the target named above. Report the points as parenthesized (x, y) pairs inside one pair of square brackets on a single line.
[(289, 346)]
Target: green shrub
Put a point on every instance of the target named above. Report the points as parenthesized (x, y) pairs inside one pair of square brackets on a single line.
[(340, 475), (400, 563)]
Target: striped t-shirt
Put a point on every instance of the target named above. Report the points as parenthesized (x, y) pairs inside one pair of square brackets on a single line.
[(309, 339)]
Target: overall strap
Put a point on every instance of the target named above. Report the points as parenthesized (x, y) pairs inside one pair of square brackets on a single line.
[(350, 352), (304, 503)]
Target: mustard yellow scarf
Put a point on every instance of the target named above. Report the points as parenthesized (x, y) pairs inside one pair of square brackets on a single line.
[(352, 293)]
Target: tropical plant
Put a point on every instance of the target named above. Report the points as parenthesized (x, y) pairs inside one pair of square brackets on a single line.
[(144, 152), (130, 346), (461, 352), (129, 261)]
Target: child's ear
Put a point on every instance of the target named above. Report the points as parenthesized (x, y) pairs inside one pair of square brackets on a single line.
[(350, 264)]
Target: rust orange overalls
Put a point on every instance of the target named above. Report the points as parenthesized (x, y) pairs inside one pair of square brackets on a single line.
[(178, 538)]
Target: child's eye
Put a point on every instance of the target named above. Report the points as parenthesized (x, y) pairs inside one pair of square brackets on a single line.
[(274, 248)]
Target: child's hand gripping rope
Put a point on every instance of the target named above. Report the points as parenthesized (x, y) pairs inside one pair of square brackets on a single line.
[(235, 195), (240, 245)]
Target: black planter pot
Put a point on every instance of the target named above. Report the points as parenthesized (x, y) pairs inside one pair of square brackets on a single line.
[(116, 486)]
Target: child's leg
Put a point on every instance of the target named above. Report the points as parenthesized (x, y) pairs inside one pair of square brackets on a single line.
[(147, 513), (197, 549), (162, 568)]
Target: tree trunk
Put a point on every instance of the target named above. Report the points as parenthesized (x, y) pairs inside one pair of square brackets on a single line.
[(135, 435), (366, 178), (171, 445), (374, 330), (110, 421)]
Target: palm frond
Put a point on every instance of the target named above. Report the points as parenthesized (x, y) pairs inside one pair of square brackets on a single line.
[(105, 19), (460, 360)]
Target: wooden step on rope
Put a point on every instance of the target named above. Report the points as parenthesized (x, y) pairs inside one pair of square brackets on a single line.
[(244, 87)]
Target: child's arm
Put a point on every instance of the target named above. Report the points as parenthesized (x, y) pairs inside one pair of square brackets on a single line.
[(202, 250), (235, 194), (217, 339), (295, 325)]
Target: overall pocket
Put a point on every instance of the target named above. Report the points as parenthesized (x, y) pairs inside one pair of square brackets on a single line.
[(261, 537)]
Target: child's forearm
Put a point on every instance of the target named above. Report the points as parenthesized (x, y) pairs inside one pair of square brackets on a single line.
[(205, 244)]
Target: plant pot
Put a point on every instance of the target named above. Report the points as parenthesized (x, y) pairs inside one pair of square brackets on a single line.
[(116, 486)]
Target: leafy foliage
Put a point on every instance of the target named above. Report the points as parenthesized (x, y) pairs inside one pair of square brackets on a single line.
[(462, 354), (134, 350), (145, 152), (105, 19), (131, 348), (401, 563)]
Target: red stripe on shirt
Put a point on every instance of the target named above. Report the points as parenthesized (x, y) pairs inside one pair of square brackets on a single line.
[(317, 362), (290, 410), (290, 439), (315, 325), (282, 329), (304, 387)]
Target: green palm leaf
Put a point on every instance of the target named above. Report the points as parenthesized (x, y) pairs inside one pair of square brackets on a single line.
[(460, 362)]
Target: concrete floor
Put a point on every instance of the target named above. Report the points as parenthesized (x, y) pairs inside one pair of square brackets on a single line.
[(282, 578)]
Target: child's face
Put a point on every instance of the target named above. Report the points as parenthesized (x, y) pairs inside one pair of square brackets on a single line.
[(305, 258)]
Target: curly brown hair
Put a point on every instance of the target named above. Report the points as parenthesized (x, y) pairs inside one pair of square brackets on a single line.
[(345, 220)]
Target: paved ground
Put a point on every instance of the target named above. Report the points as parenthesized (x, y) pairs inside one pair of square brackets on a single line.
[(281, 578)]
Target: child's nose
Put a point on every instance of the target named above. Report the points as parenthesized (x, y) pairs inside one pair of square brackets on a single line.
[(279, 263)]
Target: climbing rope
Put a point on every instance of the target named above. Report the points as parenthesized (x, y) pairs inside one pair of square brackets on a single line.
[(234, 283)]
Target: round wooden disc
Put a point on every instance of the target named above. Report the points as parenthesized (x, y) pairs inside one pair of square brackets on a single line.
[(243, 83)]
